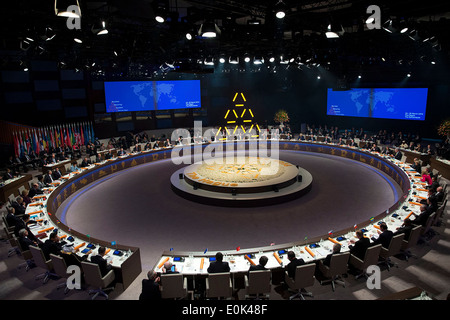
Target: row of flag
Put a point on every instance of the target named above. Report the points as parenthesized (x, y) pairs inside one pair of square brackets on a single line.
[(45, 138)]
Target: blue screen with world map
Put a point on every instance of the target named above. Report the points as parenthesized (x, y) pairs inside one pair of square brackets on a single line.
[(122, 96), (386, 103)]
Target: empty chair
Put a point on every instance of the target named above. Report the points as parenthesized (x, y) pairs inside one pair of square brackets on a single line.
[(427, 228), (61, 270), (173, 286), (13, 242), (370, 258), (257, 284), (439, 213), (27, 256), (21, 188), (67, 166), (394, 248), (11, 198), (412, 241), (41, 262), (338, 267), (218, 285), (304, 277), (94, 278)]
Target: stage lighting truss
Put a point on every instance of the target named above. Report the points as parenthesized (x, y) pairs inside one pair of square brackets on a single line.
[(239, 116)]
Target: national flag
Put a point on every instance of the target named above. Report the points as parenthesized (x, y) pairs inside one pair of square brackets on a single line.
[(16, 144), (27, 142), (355, 226), (206, 250), (330, 232), (82, 136)]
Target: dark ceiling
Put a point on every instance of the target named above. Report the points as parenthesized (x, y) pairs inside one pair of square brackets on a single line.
[(137, 44)]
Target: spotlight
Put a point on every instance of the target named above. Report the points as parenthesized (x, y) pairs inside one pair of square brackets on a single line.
[(160, 13), (388, 26), (247, 58), (318, 77), (77, 40), (333, 32), (433, 62), (271, 59), (67, 8), (209, 29), (222, 60), (189, 36), (359, 76), (49, 34), (103, 29), (409, 74), (280, 9), (209, 61), (258, 60), (233, 60)]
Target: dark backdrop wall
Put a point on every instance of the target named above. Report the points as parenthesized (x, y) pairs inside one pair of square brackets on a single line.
[(47, 95)]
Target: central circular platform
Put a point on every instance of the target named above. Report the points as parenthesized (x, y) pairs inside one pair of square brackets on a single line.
[(241, 181)]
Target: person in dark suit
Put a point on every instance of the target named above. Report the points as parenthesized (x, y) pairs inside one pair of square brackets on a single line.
[(105, 267), (218, 265), (19, 206), (23, 224), (421, 219), (398, 155), (35, 190), (53, 159), (11, 218), (8, 174), (417, 166), (24, 241), (52, 246), (121, 152), (167, 268), (261, 264), (150, 287), (336, 249), (439, 194), (358, 248), (56, 174), (85, 163), (434, 184), (405, 229), (384, 237), (48, 179), (292, 265), (27, 160)]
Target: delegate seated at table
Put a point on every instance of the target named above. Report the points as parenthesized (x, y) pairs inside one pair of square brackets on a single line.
[(384, 237), (219, 265), (294, 262), (358, 248)]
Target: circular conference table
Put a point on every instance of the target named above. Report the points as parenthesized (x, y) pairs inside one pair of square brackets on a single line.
[(195, 263)]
